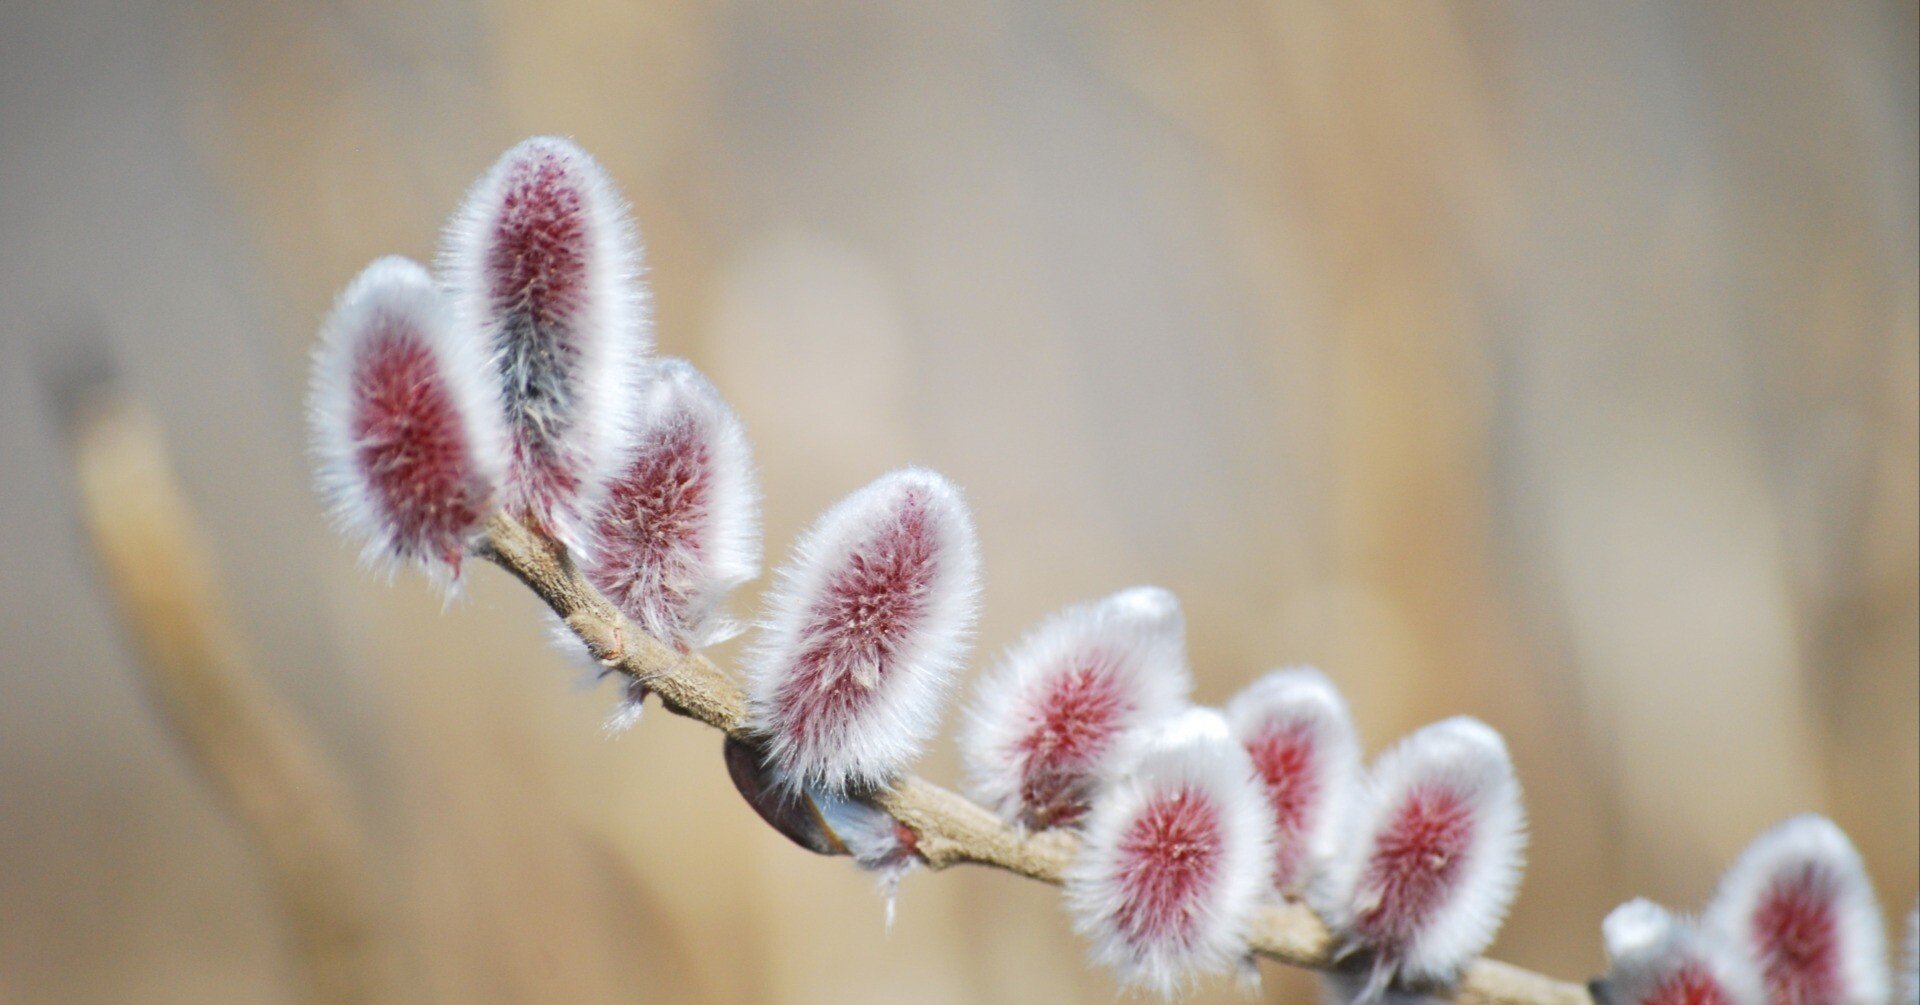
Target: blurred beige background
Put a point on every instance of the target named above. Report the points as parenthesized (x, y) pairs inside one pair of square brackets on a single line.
[(1549, 362)]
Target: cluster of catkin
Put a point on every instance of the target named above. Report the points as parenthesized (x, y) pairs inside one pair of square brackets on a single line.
[(518, 377)]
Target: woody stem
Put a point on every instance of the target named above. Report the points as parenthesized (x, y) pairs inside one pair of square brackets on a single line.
[(950, 828)]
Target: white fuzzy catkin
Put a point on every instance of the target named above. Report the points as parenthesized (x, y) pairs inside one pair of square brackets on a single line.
[(1435, 855), (1295, 727), (863, 631), (1175, 858), (405, 426), (1658, 959), (541, 260), (679, 526), (1798, 903), (1047, 724)]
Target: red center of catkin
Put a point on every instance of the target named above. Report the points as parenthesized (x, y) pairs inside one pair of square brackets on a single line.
[(1168, 863), (870, 608), (650, 538), (1691, 984), (537, 262), (537, 280), (1285, 758), (1798, 935), (1077, 713), (412, 447), (1417, 859)]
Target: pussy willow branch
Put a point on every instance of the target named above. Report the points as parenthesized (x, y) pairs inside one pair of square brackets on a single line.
[(249, 745), (950, 828)]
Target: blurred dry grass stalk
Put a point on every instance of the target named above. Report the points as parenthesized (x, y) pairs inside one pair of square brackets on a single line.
[(246, 742)]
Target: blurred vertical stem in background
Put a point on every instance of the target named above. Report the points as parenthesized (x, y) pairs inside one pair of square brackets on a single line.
[(244, 740)]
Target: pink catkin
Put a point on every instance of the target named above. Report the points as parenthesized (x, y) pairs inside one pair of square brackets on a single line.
[(1416, 860), (1434, 858), (679, 526), (658, 504), (405, 422), (1050, 722), (1169, 858), (865, 612), (863, 632), (1690, 985), (1656, 958), (1796, 929), (1288, 764), (1176, 856), (542, 262), (537, 269), (413, 446), (1082, 712), (1295, 728), (1799, 904)]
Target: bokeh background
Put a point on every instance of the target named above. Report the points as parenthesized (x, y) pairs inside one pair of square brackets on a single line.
[(1549, 362)]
